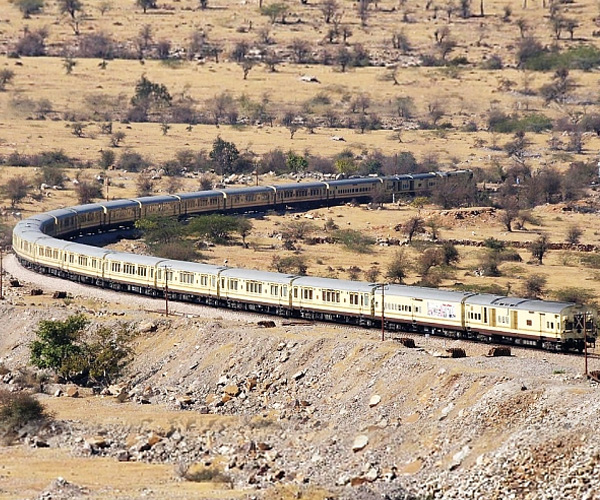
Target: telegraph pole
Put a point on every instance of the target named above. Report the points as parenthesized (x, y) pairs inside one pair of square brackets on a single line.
[(167, 292), (585, 353), (383, 312), (1, 273)]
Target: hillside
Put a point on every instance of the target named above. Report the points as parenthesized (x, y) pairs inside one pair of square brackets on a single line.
[(298, 411)]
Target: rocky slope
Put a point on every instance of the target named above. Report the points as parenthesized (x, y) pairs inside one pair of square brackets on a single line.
[(325, 408)]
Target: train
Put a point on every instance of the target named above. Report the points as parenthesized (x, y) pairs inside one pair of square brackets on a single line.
[(47, 243)]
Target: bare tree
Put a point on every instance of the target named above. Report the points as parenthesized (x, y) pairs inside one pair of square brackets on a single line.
[(363, 11), (300, 50), (144, 184), (398, 268), (6, 77), (87, 191), (574, 233), (16, 188), (413, 226), (533, 287), (329, 9), (539, 248), (289, 120)]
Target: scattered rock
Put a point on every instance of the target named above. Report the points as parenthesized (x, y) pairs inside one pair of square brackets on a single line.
[(360, 442), (375, 400)]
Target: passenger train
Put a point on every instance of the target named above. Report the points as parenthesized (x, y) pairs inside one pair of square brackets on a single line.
[(47, 243)]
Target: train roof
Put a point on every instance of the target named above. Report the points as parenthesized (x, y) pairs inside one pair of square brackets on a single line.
[(519, 303), (254, 275), (164, 198), (250, 190), (358, 180), (88, 250), (89, 207), (424, 293), (201, 194), (119, 204), (335, 284), (142, 260), (301, 185), (191, 267), (61, 212)]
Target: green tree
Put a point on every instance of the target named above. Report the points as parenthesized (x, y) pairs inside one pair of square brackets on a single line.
[(159, 229), (57, 342), (224, 154), (214, 228), (72, 352), (295, 163), (354, 241), (149, 97)]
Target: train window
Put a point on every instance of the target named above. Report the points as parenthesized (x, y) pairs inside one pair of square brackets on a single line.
[(186, 278), (213, 281), (284, 291), (152, 272), (115, 267), (204, 280), (233, 284), (82, 260), (142, 271), (295, 293), (529, 323), (275, 290), (128, 269), (71, 258)]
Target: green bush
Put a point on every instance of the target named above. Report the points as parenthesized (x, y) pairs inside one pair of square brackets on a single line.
[(584, 57), (591, 260), (354, 241), (575, 294), (507, 124)]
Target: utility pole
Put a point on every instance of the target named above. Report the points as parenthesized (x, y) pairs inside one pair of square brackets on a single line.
[(382, 312), (585, 354), (1, 273), (167, 292)]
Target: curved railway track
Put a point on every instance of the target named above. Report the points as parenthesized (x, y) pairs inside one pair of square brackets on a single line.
[(39, 243)]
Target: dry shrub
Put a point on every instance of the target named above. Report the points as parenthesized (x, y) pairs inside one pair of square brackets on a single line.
[(18, 409)]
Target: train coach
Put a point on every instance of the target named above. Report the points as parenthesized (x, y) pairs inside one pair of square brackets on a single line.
[(37, 243)]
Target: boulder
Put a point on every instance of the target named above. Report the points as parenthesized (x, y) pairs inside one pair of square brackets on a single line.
[(375, 400), (73, 392), (360, 442), (232, 390)]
